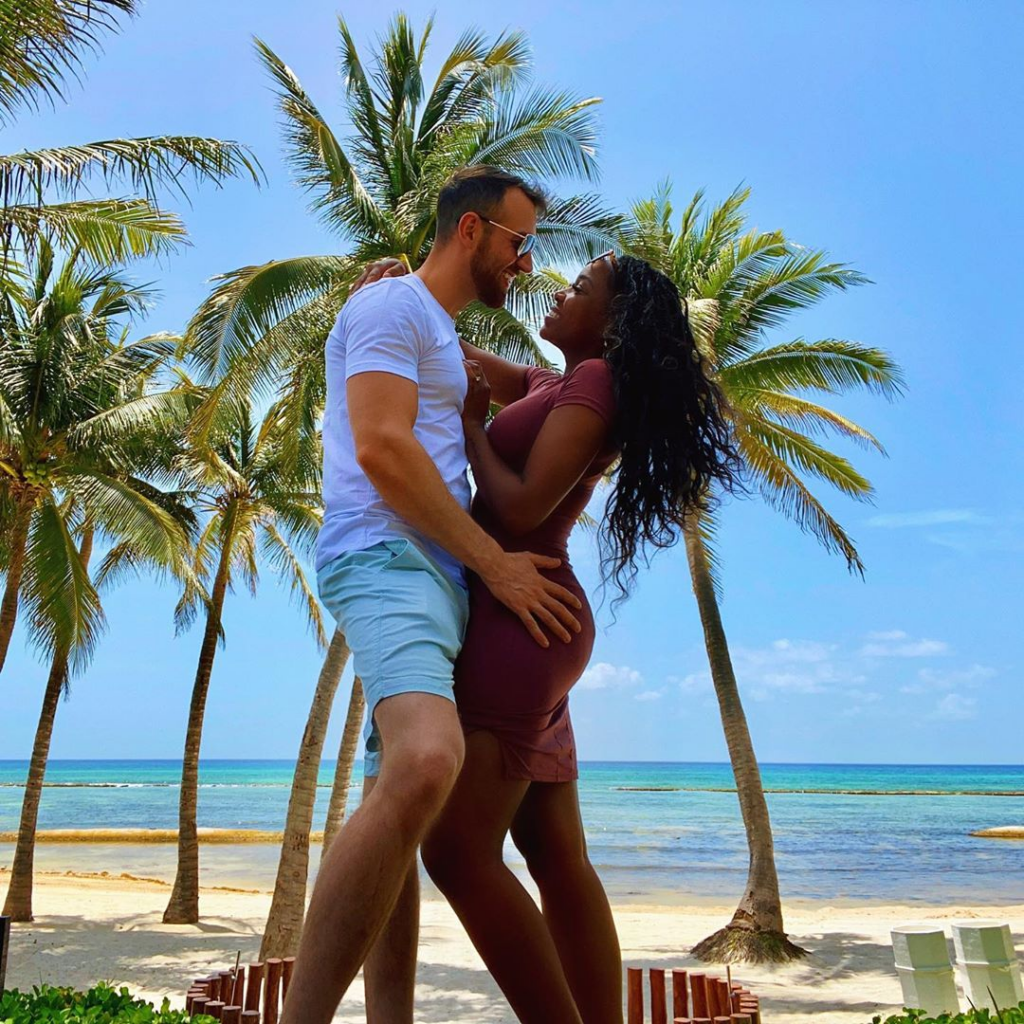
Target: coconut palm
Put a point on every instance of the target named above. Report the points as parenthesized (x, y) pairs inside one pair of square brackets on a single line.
[(258, 492), (284, 922), (338, 803), (41, 43), (66, 412), (740, 285), (79, 419)]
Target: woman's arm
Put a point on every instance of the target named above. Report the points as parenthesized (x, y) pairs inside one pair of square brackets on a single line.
[(569, 441), (507, 379)]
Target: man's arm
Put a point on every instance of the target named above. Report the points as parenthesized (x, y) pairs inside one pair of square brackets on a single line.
[(382, 412)]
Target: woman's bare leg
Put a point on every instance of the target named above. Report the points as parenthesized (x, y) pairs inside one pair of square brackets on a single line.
[(463, 855), (548, 831)]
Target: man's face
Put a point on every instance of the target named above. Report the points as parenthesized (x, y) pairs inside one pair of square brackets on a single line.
[(495, 261)]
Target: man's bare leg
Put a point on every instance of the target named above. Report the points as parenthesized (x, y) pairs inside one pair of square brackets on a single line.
[(389, 974), (366, 868)]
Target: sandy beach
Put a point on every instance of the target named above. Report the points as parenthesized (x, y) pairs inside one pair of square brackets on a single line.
[(91, 926)]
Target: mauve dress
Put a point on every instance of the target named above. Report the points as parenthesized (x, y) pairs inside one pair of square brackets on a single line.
[(505, 682)]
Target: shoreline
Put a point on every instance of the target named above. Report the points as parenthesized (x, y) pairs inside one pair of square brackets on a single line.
[(91, 927)]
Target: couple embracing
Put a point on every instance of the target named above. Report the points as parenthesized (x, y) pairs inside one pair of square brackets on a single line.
[(466, 622)]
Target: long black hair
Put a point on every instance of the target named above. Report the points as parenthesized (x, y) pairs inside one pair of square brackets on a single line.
[(671, 429)]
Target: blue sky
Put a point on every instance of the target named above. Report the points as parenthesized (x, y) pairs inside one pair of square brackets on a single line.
[(885, 133)]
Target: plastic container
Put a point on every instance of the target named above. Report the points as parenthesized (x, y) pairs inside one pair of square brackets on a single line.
[(925, 973), (988, 964)]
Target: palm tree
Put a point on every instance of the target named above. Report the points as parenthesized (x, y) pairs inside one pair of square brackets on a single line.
[(41, 43), (338, 804), (284, 922), (258, 488), (739, 285), (75, 401), (65, 404), (378, 190)]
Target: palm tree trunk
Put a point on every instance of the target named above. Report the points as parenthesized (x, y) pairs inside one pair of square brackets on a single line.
[(756, 933), (183, 906), (288, 907), (15, 568), (18, 904), (343, 771)]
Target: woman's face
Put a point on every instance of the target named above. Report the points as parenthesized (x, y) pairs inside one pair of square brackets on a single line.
[(577, 321)]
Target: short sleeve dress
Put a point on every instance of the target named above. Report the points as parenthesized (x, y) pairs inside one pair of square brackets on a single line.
[(505, 682)]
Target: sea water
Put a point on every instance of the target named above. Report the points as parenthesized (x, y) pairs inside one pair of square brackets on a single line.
[(657, 832)]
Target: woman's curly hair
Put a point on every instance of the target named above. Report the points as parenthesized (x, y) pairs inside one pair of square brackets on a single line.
[(670, 427)]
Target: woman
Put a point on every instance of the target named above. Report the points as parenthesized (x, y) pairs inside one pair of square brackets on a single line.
[(634, 395)]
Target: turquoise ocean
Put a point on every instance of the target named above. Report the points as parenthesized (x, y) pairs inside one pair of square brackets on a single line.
[(657, 832)]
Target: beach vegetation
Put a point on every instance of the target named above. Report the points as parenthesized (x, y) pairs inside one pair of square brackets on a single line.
[(1009, 1015), (740, 287), (102, 1004)]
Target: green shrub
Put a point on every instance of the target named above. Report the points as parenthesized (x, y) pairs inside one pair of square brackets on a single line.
[(100, 1005), (1007, 1016)]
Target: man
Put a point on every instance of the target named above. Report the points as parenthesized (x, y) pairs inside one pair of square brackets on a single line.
[(396, 535)]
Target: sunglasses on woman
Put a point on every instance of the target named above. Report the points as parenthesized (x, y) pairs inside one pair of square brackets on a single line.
[(527, 243)]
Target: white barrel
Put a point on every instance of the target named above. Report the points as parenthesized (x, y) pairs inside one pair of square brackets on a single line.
[(988, 964), (924, 969)]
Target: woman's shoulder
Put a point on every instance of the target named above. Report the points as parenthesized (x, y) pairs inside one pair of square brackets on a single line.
[(541, 377), (591, 384)]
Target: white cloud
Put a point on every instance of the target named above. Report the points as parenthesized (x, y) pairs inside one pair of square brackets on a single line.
[(934, 517), (954, 707), (973, 677), (650, 695), (601, 676), (897, 644), (695, 682)]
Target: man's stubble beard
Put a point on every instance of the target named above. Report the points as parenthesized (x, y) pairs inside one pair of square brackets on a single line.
[(487, 280)]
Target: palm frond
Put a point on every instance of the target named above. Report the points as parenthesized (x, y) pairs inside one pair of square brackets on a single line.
[(542, 132), (285, 563), (147, 164), (497, 330), (42, 42), (62, 605), (249, 302), (783, 490), (108, 231), (577, 229), (830, 365)]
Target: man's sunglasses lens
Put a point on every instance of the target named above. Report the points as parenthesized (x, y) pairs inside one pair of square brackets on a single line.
[(527, 245)]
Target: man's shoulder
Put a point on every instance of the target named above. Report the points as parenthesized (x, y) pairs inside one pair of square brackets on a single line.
[(392, 297)]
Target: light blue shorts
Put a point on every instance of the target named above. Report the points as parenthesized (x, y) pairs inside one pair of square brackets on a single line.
[(404, 621)]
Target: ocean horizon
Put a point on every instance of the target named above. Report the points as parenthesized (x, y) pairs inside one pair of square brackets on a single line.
[(655, 829)]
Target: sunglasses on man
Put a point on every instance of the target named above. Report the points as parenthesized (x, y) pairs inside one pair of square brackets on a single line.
[(527, 242)]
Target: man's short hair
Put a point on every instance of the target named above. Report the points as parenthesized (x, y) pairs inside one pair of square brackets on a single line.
[(479, 189)]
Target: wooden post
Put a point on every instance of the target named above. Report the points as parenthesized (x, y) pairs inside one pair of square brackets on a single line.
[(742, 1018), (238, 988), (270, 997), (5, 945), (682, 1020), (287, 969), (227, 986), (199, 1005), (680, 997), (250, 1017), (231, 1015), (721, 1020), (252, 991), (214, 982), (214, 1008), (635, 995), (657, 978), (699, 991)]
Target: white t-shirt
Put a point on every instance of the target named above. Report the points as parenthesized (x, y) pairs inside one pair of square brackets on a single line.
[(397, 326)]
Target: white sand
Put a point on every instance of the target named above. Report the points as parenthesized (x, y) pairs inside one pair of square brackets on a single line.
[(89, 928)]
